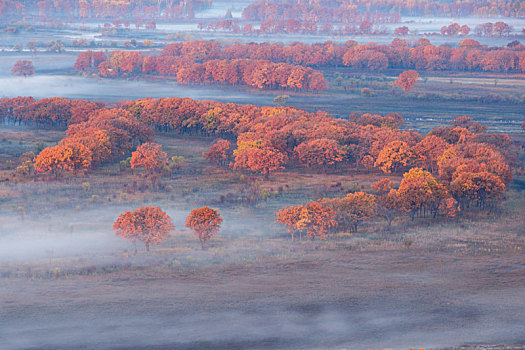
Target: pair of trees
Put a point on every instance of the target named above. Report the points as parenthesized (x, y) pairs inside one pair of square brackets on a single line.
[(151, 225), (313, 219)]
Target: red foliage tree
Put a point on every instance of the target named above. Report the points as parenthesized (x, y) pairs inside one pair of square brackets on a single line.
[(220, 152), (23, 67), (149, 225), (149, 156), (407, 80), (205, 222), (73, 157)]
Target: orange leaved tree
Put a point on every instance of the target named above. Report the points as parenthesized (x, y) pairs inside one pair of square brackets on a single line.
[(149, 156), (205, 222), (73, 157), (289, 217), (396, 156), (149, 225), (313, 218), (24, 68), (219, 152), (407, 80)]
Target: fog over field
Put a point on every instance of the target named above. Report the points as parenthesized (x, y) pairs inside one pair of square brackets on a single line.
[(300, 174)]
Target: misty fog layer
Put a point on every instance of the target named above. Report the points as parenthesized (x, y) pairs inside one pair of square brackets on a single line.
[(190, 316)]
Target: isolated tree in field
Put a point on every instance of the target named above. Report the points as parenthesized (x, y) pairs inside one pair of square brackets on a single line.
[(281, 100), (149, 156), (407, 80), (205, 222), (23, 68), (149, 225)]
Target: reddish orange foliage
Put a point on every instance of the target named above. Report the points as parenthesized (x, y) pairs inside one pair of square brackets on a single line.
[(264, 160), (149, 225), (205, 222), (319, 153), (352, 210), (419, 191), (149, 156), (407, 80), (73, 157), (429, 150), (290, 216), (220, 152), (313, 218), (23, 67), (396, 156)]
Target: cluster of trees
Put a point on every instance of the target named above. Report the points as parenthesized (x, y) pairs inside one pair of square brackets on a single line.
[(467, 162), (106, 135), (275, 26), (315, 12), (455, 29), (151, 225), (469, 56), (95, 134), (449, 170), (212, 61), (185, 58), (91, 9), (498, 29), (187, 70), (345, 10)]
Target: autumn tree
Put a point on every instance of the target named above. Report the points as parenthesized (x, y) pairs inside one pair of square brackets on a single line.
[(394, 157), (407, 80), (73, 157), (290, 216), (420, 192), (429, 150), (149, 225), (315, 219), (319, 153), (479, 187), (352, 210), (23, 68), (149, 156), (388, 205), (220, 152), (205, 222), (264, 160)]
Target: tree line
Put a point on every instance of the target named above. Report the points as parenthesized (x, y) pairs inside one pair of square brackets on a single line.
[(445, 171), (92, 9), (347, 10), (254, 64), (252, 72)]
